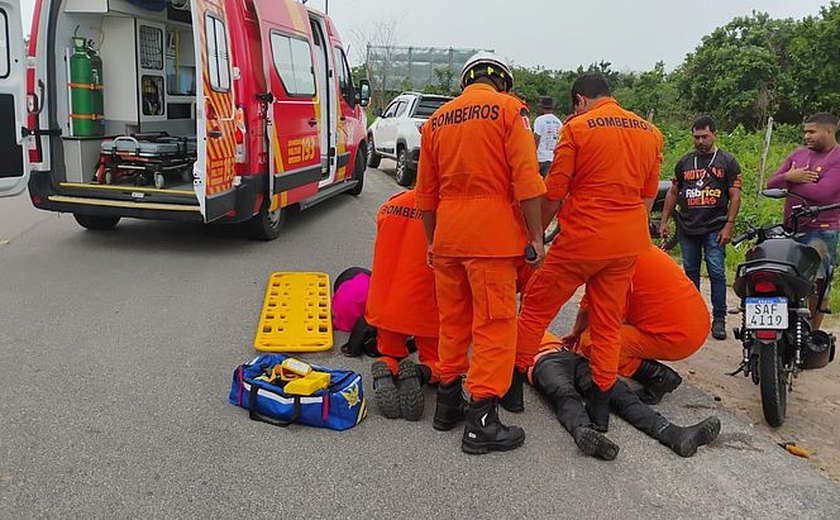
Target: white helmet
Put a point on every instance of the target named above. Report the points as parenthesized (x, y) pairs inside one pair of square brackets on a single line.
[(492, 64)]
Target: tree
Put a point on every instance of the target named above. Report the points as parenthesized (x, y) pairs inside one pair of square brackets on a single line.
[(815, 62), (739, 73), (444, 82), (383, 38)]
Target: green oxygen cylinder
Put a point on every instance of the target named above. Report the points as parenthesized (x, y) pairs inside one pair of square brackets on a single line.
[(98, 99), (85, 85)]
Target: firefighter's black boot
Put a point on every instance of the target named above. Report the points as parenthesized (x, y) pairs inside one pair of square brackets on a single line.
[(484, 432), (595, 444), (598, 408), (412, 398), (385, 391), (684, 441), (514, 400), (657, 380), (449, 406)]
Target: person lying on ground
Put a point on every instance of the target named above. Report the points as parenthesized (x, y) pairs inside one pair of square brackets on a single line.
[(565, 379)]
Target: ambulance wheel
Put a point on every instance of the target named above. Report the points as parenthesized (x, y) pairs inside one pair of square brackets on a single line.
[(96, 223), (404, 174), (266, 225), (359, 174), (160, 181), (373, 158)]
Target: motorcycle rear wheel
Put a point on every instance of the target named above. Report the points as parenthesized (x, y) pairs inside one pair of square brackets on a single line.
[(773, 382)]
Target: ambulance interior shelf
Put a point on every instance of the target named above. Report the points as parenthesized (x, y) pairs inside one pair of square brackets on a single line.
[(137, 139)]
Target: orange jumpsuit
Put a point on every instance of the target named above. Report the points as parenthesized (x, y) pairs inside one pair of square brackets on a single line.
[(667, 318), (606, 161), (477, 160), (401, 300)]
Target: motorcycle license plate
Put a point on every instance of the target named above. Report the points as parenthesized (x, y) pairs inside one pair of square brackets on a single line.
[(767, 313)]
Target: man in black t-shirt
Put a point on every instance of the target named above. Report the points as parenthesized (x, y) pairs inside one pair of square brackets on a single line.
[(707, 187)]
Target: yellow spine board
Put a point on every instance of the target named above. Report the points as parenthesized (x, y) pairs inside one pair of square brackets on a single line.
[(296, 314)]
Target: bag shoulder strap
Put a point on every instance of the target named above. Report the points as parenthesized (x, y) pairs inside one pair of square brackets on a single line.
[(256, 416)]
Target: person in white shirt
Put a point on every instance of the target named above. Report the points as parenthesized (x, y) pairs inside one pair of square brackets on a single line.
[(546, 131)]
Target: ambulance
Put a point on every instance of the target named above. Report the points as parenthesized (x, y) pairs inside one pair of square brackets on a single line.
[(199, 110)]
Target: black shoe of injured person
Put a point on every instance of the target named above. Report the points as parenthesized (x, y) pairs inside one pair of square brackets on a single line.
[(514, 400), (449, 406), (684, 441), (656, 379), (595, 444), (598, 408), (484, 432)]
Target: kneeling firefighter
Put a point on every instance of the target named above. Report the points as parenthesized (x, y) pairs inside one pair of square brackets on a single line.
[(477, 161), (666, 319), (401, 304)]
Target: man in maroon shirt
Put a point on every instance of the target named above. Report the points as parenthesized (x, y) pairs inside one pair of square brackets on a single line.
[(813, 173)]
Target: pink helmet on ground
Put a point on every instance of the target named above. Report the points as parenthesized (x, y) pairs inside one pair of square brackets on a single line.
[(350, 292)]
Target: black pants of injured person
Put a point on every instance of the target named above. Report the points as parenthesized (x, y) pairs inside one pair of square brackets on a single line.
[(565, 379)]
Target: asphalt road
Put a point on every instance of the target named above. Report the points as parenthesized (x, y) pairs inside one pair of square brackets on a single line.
[(116, 354)]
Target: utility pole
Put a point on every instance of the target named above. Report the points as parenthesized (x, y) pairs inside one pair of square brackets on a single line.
[(762, 167)]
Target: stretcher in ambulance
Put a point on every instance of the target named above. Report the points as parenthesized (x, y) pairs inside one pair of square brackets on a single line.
[(203, 110)]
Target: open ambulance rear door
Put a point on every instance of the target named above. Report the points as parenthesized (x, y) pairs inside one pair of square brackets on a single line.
[(14, 172), (215, 165)]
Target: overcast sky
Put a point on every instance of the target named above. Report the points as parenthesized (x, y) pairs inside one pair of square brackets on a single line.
[(631, 34)]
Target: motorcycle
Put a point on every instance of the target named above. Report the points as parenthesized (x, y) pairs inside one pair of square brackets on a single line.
[(775, 284)]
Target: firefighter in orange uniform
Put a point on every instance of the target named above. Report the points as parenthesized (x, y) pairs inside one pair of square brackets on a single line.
[(477, 161), (605, 174), (401, 303), (667, 319)]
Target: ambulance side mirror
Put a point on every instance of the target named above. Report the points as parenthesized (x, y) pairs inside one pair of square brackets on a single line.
[(363, 93)]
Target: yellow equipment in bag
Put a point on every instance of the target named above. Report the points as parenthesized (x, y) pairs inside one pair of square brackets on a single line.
[(291, 369), (296, 314), (309, 384), (295, 377)]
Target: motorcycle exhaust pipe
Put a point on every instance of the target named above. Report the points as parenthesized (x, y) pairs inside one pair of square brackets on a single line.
[(818, 351)]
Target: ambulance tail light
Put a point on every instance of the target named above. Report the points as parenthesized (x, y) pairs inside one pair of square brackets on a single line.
[(241, 138)]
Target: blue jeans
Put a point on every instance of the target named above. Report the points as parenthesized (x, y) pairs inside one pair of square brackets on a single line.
[(829, 238), (693, 247)]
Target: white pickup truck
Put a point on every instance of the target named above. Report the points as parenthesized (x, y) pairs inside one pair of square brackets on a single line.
[(395, 133)]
